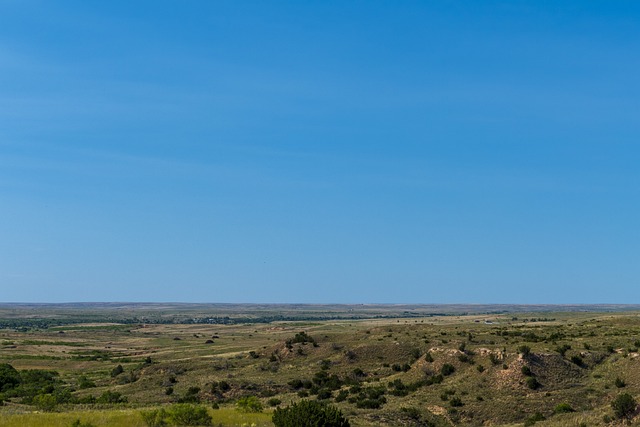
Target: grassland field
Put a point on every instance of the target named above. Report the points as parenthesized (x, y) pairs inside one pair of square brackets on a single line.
[(381, 366)]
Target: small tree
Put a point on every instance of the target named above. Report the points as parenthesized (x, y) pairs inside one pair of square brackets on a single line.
[(309, 413), (624, 406)]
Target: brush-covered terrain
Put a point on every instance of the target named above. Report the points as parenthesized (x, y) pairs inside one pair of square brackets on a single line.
[(395, 368)]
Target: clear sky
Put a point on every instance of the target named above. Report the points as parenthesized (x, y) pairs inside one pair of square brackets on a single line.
[(326, 151)]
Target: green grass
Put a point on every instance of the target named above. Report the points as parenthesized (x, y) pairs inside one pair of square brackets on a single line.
[(124, 418)]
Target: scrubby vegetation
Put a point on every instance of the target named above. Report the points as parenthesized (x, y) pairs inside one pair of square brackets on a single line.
[(566, 369)]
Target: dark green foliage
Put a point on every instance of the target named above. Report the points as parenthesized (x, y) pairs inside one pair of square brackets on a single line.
[(533, 383), (111, 397), (184, 414), (464, 358), (295, 384), (624, 406), (447, 369), (456, 402), (191, 396), (563, 408), (342, 396), (301, 338), (434, 379), (78, 423), (577, 359), (325, 364), (274, 401), (619, 382), (534, 419), (428, 357), (563, 349), (117, 371), (370, 398), (323, 394), (416, 353), (526, 371), (524, 350), (84, 382), (480, 368), (308, 413), (495, 360), (9, 377)]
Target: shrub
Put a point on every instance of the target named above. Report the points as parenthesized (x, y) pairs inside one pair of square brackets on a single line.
[(274, 401), (495, 360), (307, 413), (117, 371), (428, 357), (623, 406), (526, 371), (563, 349), (447, 369), (533, 383), (9, 377), (456, 402), (534, 419), (111, 397), (185, 414), (563, 408), (84, 382), (620, 382), (78, 423), (155, 417), (45, 402), (577, 359), (249, 404), (524, 350)]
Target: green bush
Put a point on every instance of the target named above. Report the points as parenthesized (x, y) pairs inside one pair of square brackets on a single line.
[(307, 413), (447, 369), (45, 402), (524, 350), (563, 408), (249, 404), (185, 414), (84, 382), (534, 419), (117, 371), (155, 417), (624, 406), (78, 423), (9, 377), (274, 401), (456, 402), (533, 383), (111, 397)]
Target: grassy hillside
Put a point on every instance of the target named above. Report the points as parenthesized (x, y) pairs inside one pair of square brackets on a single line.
[(547, 369)]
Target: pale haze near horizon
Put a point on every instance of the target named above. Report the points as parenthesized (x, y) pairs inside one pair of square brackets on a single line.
[(320, 152)]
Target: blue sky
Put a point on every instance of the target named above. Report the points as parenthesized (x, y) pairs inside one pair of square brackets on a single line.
[(333, 152)]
